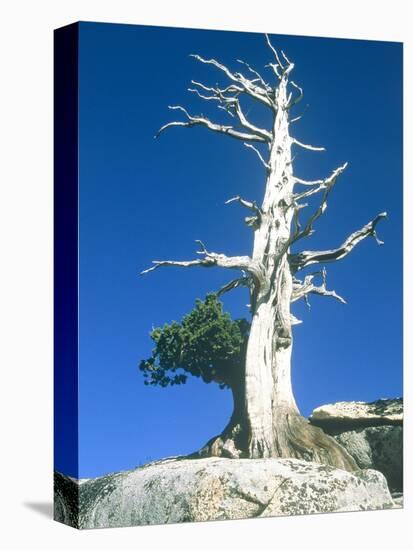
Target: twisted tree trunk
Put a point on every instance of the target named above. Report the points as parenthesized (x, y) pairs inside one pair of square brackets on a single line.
[(268, 386), (233, 441)]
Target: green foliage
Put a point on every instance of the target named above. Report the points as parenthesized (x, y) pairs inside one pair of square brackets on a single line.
[(207, 343)]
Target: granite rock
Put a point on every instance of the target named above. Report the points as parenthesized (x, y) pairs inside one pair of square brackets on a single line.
[(372, 433), (347, 415), (189, 490)]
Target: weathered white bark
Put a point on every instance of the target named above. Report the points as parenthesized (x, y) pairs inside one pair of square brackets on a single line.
[(301, 289), (266, 421), (267, 371)]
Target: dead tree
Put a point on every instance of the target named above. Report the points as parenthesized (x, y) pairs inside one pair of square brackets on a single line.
[(270, 424)]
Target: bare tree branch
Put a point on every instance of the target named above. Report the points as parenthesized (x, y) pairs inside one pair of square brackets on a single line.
[(298, 98), (301, 289), (278, 60), (296, 219), (267, 136), (235, 283), (202, 96), (319, 185), (299, 117), (253, 71), (325, 185), (285, 66), (286, 58), (252, 221), (308, 257), (218, 95), (275, 68), (308, 182), (246, 85), (306, 146), (229, 103), (231, 89), (248, 204), (210, 259), (265, 164), (190, 263), (294, 320), (203, 121)]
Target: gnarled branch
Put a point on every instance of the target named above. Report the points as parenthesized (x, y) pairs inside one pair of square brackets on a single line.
[(210, 259), (285, 66), (252, 221), (235, 283), (256, 73), (325, 185), (301, 289), (319, 185), (235, 104), (274, 51), (248, 204), (231, 89), (275, 68), (298, 98), (232, 106), (245, 85), (308, 257), (203, 121)]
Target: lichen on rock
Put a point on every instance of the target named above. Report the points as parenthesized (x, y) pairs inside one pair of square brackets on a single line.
[(345, 415), (372, 433), (182, 490)]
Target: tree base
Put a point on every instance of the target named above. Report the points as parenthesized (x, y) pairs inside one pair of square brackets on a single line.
[(295, 437), (232, 443)]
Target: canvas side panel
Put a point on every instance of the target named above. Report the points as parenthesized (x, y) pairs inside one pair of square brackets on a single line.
[(66, 462)]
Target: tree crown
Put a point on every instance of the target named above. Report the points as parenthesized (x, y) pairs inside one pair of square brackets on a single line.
[(207, 343)]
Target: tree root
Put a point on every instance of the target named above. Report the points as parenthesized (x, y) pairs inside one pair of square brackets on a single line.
[(294, 437), (300, 439), (232, 443)]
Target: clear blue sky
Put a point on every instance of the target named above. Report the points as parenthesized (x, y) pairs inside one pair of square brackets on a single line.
[(144, 199)]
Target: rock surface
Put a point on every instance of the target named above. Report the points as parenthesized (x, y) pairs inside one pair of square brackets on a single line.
[(347, 415), (185, 490), (397, 499), (66, 500), (371, 432), (380, 448)]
